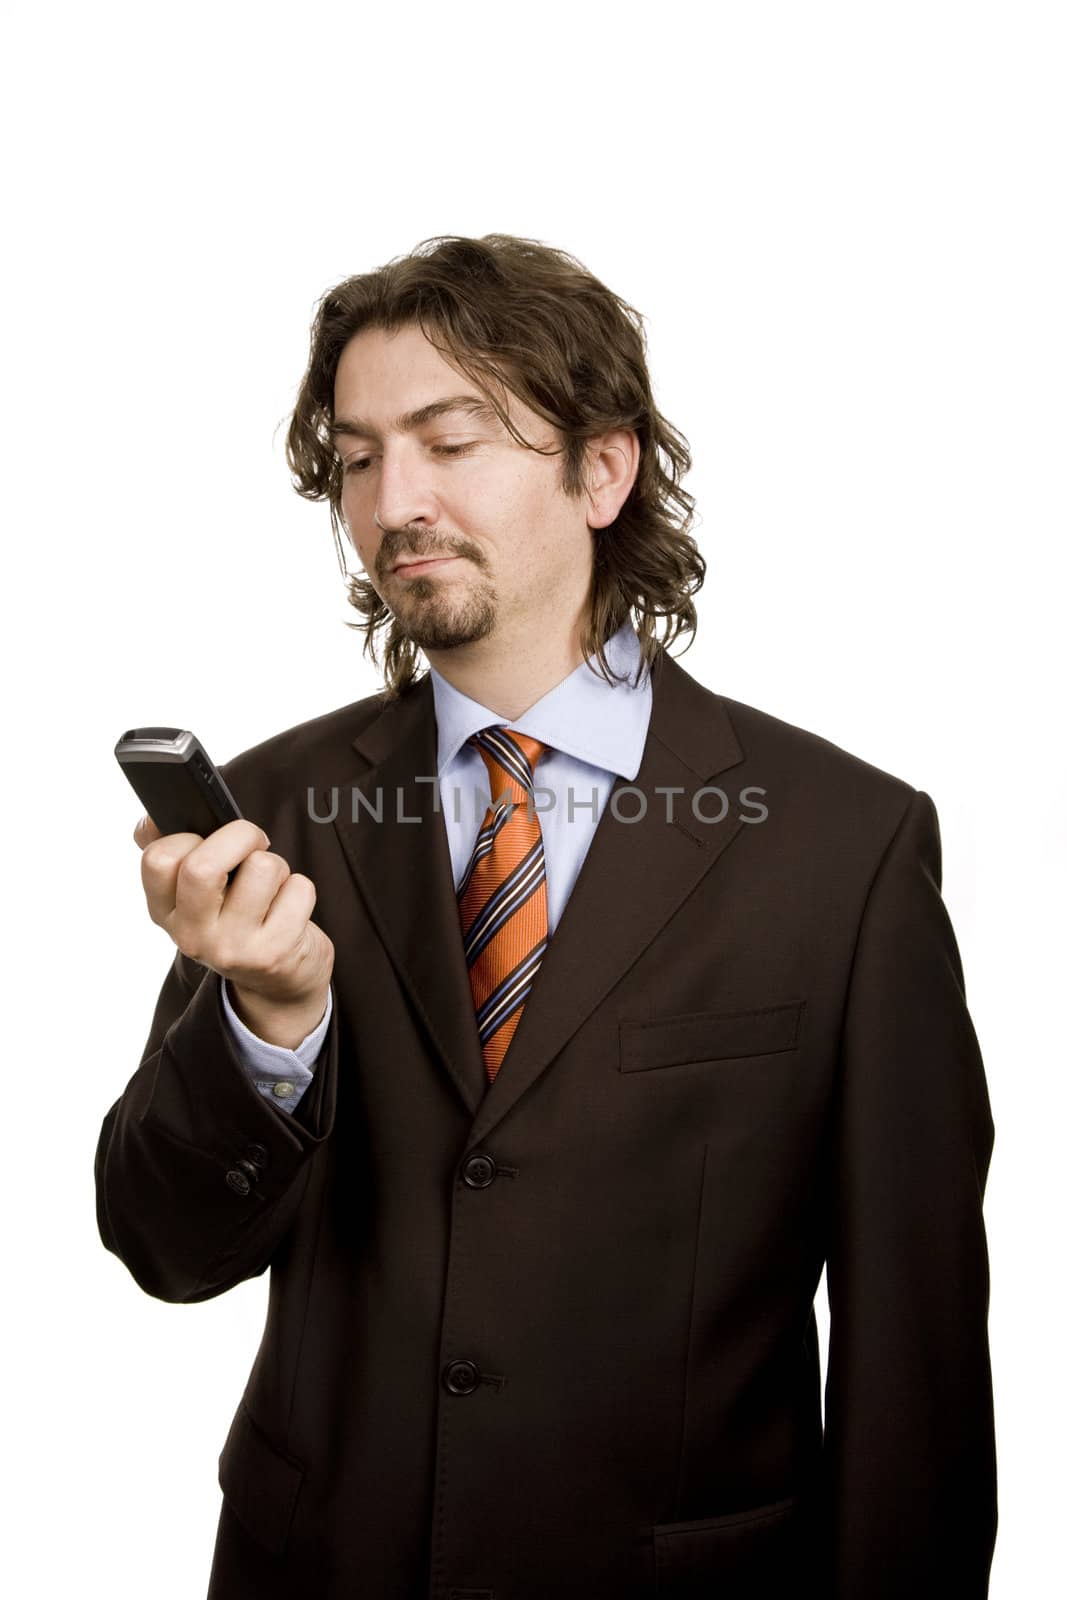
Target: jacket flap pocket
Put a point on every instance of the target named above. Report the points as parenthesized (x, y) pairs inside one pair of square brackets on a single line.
[(260, 1482), (708, 1036), (749, 1556)]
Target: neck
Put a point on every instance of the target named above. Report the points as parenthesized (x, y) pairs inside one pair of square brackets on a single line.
[(508, 676)]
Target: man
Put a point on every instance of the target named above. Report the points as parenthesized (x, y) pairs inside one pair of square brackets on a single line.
[(623, 1008)]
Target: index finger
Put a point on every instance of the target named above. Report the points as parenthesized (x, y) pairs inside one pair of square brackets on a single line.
[(195, 868)]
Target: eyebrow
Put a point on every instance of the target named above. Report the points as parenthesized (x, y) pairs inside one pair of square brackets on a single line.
[(355, 427)]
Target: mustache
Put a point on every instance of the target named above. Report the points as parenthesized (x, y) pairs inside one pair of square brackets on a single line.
[(412, 548)]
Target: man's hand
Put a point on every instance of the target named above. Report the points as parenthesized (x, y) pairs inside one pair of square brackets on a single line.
[(256, 931)]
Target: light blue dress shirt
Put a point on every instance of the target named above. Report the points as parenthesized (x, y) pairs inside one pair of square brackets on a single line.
[(593, 730)]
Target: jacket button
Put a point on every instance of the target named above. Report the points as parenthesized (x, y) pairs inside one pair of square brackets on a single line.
[(479, 1171), (238, 1181), (461, 1377), (257, 1154)]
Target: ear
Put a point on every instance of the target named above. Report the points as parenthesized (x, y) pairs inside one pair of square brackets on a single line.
[(612, 460)]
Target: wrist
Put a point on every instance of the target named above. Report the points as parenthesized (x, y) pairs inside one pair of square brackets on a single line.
[(285, 1023)]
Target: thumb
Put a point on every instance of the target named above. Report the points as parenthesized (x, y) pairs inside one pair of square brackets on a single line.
[(145, 832)]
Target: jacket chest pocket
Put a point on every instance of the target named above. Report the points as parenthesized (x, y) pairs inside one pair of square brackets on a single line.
[(709, 1036)]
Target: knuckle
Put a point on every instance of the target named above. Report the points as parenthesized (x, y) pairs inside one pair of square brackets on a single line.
[(267, 864), (307, 892), (158, 859), (195, 870)]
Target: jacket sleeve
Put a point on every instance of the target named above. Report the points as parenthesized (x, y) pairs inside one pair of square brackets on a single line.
[(198, 1176), (909, 1436)]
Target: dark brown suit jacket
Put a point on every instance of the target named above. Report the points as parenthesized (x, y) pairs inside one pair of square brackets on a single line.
[(554, 1337)]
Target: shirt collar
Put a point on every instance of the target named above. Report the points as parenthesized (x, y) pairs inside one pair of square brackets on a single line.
[(602, 723)]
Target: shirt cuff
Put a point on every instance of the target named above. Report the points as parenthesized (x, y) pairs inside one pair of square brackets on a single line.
[(280, 1075)]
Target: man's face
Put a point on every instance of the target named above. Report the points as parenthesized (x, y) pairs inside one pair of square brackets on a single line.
[(506, 547)]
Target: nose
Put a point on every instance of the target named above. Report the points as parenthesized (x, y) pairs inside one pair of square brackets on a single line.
[(404, 492)]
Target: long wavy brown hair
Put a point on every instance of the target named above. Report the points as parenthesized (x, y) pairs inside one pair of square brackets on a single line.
[(518, 315)]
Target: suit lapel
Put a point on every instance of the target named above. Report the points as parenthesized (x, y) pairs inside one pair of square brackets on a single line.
[(404, 871), (634, 877)]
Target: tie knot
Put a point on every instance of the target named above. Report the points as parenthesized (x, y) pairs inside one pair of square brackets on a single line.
[(510, 757)]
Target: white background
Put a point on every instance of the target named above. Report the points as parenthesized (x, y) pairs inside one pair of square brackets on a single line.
[(844, 225)]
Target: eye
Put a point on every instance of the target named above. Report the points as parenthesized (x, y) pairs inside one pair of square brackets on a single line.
[(354, 468)]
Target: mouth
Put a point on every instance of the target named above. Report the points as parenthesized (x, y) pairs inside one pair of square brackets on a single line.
[(413, 568)]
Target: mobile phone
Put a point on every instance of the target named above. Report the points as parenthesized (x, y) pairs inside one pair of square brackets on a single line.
[(175, 780)]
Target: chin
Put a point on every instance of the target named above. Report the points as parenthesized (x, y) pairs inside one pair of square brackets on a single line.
[(450, 632)]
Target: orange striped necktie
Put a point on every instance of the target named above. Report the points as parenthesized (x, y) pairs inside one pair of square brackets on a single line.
[(503, 895)]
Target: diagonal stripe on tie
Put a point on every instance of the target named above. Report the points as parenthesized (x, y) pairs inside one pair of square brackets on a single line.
[(503, 894), (516, 889)]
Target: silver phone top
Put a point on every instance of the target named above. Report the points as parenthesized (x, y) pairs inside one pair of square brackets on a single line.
[(152, 745)]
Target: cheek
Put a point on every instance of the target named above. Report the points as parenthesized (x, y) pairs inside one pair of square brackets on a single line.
[(355, 518), (365, 548), (526, 505), (368, 554)]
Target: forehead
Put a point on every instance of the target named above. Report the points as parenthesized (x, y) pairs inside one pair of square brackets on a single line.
[(384, 378), (377, 361)]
